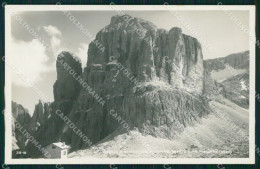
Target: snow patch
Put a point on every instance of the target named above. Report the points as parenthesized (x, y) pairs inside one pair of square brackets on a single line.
[(226, 73)]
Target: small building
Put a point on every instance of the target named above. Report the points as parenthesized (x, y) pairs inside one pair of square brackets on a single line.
[(58, 150)]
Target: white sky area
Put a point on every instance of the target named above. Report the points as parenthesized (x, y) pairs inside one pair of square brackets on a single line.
[(36, 59)]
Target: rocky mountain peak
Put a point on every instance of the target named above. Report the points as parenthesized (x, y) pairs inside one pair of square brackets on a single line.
[(41, 113), (151, 70), (148, 53), (126, 20), (175, 30), (18, 111), (68, 68)]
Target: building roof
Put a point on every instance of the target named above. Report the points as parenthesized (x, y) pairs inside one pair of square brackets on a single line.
[(61, 145)]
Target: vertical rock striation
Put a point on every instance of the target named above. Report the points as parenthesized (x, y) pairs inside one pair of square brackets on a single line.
[(144, 74), (156, 54)]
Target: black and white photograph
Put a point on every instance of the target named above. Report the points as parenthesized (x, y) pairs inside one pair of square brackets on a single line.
[(125, 84)]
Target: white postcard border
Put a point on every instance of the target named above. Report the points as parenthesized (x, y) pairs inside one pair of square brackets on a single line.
[(8, 49)]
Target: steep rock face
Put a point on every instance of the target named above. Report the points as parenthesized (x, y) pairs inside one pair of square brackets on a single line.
[(20, 115), (161, 107), (179, 60), (42, 111), (46, 124), (154, 54), (142, 77), (66, 86), (51, 130)]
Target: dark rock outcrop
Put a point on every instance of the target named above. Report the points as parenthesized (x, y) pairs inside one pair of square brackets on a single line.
[(42, 111), (66, 86), (21, 118), (46, 124)]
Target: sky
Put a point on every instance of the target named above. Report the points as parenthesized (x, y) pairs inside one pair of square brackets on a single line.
[(36, 58)]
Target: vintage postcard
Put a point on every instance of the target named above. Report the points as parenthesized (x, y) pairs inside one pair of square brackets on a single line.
[(129, 84)]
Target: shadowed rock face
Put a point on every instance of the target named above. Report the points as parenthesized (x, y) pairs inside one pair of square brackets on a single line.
[(46, 125), (22, 117), (41, 112), (50, 130), (165, 65), (66, 86)]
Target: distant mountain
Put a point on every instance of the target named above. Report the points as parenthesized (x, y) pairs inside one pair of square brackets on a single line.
[(232, 74), (236, 61), (237, 89)]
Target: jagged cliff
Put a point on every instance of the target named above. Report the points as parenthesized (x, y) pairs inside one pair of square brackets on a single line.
[(46, 125), (148, 77), (66, 86), (21, 118), (41, 113), (156, 54)]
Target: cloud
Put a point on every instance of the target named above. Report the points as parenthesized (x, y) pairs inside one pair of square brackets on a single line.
[(55, 45), (82, 53), (30, 59), (54, 35), (52, 30)]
